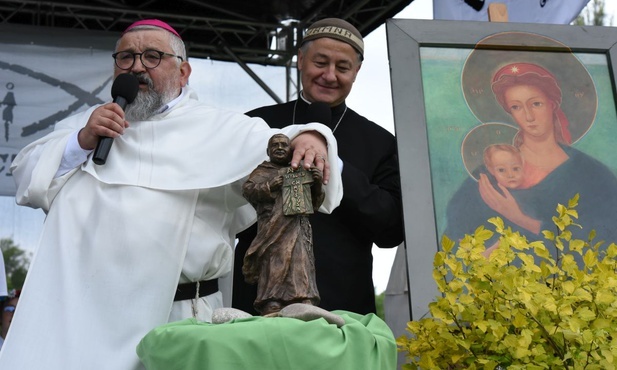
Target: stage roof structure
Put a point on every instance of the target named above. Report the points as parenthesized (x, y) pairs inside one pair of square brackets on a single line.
[(264, 32)]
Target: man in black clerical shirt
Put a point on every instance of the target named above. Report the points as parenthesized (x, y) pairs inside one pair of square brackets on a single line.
[(370, 213)]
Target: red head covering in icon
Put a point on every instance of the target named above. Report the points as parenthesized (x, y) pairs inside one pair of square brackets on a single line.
[(515, 74)]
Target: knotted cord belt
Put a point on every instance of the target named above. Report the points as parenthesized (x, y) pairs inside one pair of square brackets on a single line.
[(197, 289)]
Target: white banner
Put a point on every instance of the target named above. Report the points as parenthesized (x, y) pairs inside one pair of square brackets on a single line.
[(39, 86), (520, 11)]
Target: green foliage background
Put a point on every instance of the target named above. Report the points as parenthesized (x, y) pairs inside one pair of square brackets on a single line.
[(520, 307), (16, 262)]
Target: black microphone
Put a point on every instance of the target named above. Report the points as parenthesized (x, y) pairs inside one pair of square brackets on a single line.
[(319, 112), (123, 91)]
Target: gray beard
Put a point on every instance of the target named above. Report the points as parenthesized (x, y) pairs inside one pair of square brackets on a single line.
[(145, 105)]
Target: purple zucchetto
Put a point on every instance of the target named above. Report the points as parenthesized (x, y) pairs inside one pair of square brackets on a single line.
[(152, 22)]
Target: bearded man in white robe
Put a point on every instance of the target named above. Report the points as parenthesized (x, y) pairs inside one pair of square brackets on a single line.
[(120, 239)]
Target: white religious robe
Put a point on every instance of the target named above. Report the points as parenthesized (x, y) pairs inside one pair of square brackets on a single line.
[(119, 237)]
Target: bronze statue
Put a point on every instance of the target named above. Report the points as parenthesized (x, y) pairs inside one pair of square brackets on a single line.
[(280, 258)]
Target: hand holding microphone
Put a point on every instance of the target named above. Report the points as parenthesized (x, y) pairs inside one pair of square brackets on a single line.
[(123, 91)]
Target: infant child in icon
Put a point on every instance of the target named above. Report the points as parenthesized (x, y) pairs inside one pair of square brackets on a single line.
[(505, 163), (280, 259)]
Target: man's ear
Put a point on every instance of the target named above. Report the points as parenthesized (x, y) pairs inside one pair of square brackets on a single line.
[(300, 59), (185, 72)]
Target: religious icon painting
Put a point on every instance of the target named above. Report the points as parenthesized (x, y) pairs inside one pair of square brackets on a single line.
[(501, 120)]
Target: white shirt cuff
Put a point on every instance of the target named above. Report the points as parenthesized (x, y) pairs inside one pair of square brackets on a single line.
[(73, 155)]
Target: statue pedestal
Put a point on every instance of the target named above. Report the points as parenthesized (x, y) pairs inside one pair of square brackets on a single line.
[(270, 343)]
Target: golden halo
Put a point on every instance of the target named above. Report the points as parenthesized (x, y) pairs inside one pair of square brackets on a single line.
[(478, 138), (579, 97)]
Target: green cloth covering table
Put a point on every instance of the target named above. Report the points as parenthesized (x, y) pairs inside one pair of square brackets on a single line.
[(267, 343)]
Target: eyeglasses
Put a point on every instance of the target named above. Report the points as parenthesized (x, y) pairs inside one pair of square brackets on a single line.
[(149, 58)]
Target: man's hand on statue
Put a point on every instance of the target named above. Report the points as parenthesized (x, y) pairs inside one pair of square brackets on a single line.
[(311, 147)]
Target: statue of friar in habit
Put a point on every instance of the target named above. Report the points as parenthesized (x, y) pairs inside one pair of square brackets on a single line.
[(280, 258)]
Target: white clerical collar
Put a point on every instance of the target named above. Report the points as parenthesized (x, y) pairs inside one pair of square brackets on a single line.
[(309, 103), (338, 108), (303, 98), (172, 103)]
